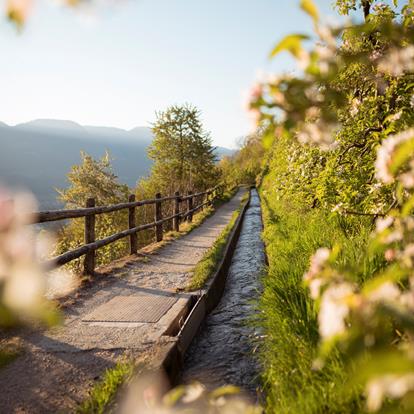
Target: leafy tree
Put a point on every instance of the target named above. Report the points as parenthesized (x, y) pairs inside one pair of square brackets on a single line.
[(94, 178), (183, 155), (245, 165), (342, 134)]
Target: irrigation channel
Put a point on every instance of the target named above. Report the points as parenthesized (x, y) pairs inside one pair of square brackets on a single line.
[(223, 351)]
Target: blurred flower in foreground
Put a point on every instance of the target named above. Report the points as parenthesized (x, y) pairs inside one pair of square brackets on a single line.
[(18, 11), (147, 395), (23, 276)]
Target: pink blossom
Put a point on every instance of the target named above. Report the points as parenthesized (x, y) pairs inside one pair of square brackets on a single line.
[(389, 255)]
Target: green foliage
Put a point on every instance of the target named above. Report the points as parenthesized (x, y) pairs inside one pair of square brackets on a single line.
[(6, 357), (94, 178), (206, 267), (182, 152), (105, 390), (246, 164), (293, 231), (340, 159), (291, 43)]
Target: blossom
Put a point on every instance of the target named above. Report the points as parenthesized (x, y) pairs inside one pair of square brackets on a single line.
[(318, 133), (385, 153), (395, 117), (383, 223), (256, 91), (407, 179), (389, 255), (390, 385), (334, 309), (19, 10), (338, 208), (311, 277), (386, 292), (325, 34), (397, 61), (354, 106), (22, 255)]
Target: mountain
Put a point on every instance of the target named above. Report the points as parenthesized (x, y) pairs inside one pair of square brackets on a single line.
[(37, 155)]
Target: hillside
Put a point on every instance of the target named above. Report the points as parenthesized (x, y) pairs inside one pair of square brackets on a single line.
[(37, 155)]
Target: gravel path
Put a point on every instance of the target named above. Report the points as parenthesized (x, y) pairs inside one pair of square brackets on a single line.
[(59, 366)]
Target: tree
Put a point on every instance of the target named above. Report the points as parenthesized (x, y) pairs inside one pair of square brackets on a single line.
[(183, 155), (245, 165), (342, 153), (94, 178)]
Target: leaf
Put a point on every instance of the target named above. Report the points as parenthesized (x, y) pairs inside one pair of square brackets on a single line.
[(225, 390), (173, 396), (402, 154), (292, 43), (309, 7)]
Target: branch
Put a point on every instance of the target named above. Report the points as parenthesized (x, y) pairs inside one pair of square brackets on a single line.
[(360, 213), (366, 5)]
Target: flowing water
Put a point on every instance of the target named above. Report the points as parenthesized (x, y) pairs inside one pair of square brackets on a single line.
[(223, 351)]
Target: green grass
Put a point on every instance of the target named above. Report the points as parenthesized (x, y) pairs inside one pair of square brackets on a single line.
[(6, 357), (202, 215), (206, 267), (292, 233), (104, 391)]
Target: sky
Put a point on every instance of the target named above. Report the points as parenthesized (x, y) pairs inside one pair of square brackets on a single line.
[(120, 62)]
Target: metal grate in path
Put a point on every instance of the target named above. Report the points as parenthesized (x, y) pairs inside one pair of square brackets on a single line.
[(137, 308)]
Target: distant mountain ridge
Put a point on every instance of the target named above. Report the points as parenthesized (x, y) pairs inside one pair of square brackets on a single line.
[(38, 154)]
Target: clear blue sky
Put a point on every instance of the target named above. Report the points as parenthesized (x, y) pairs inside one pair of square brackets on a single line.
[(131, 59)]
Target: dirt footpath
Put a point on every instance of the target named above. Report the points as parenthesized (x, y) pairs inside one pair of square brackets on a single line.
[(123, 314)]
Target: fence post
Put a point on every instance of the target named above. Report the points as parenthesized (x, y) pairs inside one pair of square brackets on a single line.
[(133, 238), (158, 217), (89, 263), (176, 220), (190, 207)]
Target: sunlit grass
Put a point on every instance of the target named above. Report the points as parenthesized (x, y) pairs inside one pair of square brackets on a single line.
[(104, 391), (206, 267), (290, 345)]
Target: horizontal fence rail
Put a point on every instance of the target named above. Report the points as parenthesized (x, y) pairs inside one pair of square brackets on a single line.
[(193, 202)]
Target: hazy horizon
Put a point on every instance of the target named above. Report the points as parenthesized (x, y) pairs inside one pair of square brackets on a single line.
[(115, 66)]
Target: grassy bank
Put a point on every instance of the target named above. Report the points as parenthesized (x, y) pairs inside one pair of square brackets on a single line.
[(105, 390), (206, 267), (292, 233)]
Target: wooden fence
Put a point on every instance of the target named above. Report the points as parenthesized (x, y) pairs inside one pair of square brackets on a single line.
[(193, 203)]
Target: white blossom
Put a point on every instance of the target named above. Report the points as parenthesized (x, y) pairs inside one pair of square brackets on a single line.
[(390, 385), (311, 277), (383, 223), (22, 254), (338, 208), (354, 107), (385, 154), (317, 133), (397, 61), (334, 309), (386, 292)]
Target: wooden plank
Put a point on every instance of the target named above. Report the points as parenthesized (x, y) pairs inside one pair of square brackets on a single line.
[(56, 215)]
